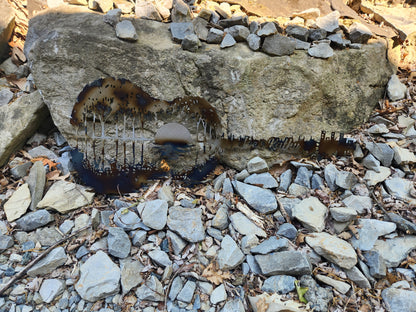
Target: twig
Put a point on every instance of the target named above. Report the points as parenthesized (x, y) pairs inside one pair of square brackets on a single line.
[(250, 214), (283, 211), (150, 190), (38, 258)]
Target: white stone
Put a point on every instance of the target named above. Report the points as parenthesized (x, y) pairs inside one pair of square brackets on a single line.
[(50, 289), (218, 294), (18, 203), (395, 89), (342, 287), (311, 213)]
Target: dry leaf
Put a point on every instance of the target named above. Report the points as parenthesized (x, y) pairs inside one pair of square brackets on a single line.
[(345, 235), (214, 275), (262, 305)]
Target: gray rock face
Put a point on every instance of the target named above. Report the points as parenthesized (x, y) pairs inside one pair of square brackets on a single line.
[(187, 223), (54, 259), (284, 262), (333, 248), (118, 242), (99, 278), (130, 274), (311, 213), (278, 45), (399, 300), (19, 121), (260, 199), (154, 214), (230, 254), (207, 76), (369, 231), (281, 284), (191, 43), (34, 220)]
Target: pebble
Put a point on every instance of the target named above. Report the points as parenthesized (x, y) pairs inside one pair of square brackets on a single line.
[(176, 287), (50, 289), (381, 151), (89, 287), (399, 300), (265, 180), (278, 45), (127, 219), (254, 42), (262, 200), (341, 287), (330, 173), (160, 257), (281, 284), (152, 290), (245, 226), (18, 203), (215, 35), (311, 213), (359, 33), (284, 262), (5, 242), (317, 297), (321, 49), (400, 188), (370, 162), (180, 30), (118, 241), (297, 32), (329, 22), (395, 89), (178, 244), (403, 156), (271, 244), (191, 43), (54, 259), (154, 214), (130, 274), (333, 249), (369, 230), (187, 292), (218, 295), (230, 255), (34, 220), (355, 275), (361, 204), (227, 41), (285, 180), (287, 230), (395, 250), (303, 177), (267, 29), (187, 223)]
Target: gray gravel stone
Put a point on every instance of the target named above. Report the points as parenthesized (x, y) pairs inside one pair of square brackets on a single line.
[(381, 151), (303, 177), (297, 32), (285, 180), (187, 292), (400, 188), (271, 244), (200, 28), (346, 180), (220, 220), (358, 277), (152, 290), (34, 220), (253, 42), (165, 193), (267, 29), (329, 22), (361, 204), (359, 33), (138, 237), (127, 219), (341, 287), (317, 182), (395, 89), (112, 17), (260, 199), (405, 225), (311, 213), (395, 250), (281, 284), (180, 30), (288, 204), (302, 45), (227, 41), (284, 262), (218, 181), (376, 264), (257, 165), (5, 242), (321, 50), (230, 255), (191, 43), (337, 42), (342, 214), (215, 35), (330, 174), (369, 230), (234, 305), (187, 223), (178, 244), (160, 257), (278, 45), (154, 214), (5, 96), (19, 171), (370, 162), (51, 288), (287, 230), (403, 156), (118, 242), (265, 180), (54, 259), (239, 32), (245, 226), (317, 34), (399, 300), (175, 288), (227, 187), (317, 297), (218, 295)]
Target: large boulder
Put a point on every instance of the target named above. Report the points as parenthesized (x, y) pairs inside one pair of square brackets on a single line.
[(253, 93)]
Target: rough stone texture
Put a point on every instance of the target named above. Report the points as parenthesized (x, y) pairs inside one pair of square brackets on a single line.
[(284, 262), (311, 213), (400, 188), (321, 49), (65, 196), (187, 223), (317, 297), (36, 181), (155, 214), (399, 300), (230, 255), (18, 203), (395, 250), (18, 122), (130, 274), (6, 28), (152, 290), (54, 259), (245, 226), (369, 230), (381, 151), (50, 289), (118, 242), (281, 284), (395, 89), (273, 97), (127, 219), (361, 204), (260, 199), (99, 278), (278, 45), (333, 248), (125, 30), (359, 33), (329, 22), (358, 277), (34, 220)]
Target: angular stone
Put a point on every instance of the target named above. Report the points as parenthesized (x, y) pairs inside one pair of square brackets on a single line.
[(181, 30), (99, 278), (260, 199), (284, 262), (281, 284), (165, 193), (358, 277), (297, 32), (187, 292), (396, 90), (257, 165), (18, 203), (152, 290), (130, 274), (333, 249), (65, 196), (118, 242), (317, 34), (54, 259), (369, 230), (34, 220), (405, 225), (303, 177), (180, 12), (337, 42), (191, 43), (245, 226), (403, 156), (51, 288), (288, 204), (361, 204), (19, 171), (42, 151), (271, 244), (146, 10), (227, 41), (112, 17), (329, 22), (215, 35), (318, 297), (321, 49), (311, 213), (176, 287), (399, 300), (220, 220), (346, 180), (178, 244), (154, 214), (254, 42), (126, 31), (127, 219), (160, 257), (278, 45), (372, 177), (208, 75), (239, 32), (287, 230), (376, 264), (342, 214), (265, 180), (230, 255), (36, 182), (400, 188), (5, 242), (395, 250), (285, 180), (187, 223), (267, 29), (381, 151), (218, 295), (105, 5), (341, 287), (359, 33)]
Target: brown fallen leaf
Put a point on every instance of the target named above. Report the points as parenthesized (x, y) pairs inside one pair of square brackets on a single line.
[(345, 235), (262, 305), (215, 275)]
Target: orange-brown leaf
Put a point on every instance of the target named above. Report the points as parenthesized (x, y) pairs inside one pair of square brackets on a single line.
[(215, 275)]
